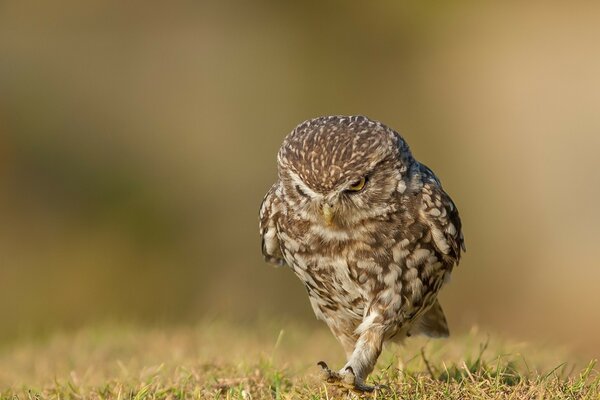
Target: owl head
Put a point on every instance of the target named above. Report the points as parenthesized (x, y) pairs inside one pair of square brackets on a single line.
[(340, 171)]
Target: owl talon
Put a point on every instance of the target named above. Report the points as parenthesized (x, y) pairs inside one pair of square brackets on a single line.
[(364, 388), (327, 374), (349, 377)]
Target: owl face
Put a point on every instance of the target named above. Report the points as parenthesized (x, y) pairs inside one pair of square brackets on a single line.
[(339, 171)]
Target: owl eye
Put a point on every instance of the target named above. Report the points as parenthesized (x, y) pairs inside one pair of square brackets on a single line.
[(358, 185), (300, 191)]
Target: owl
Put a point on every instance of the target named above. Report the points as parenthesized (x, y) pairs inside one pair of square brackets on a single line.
[(368, 230)]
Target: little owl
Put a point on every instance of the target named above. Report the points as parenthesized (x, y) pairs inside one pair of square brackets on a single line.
[(368, 230)]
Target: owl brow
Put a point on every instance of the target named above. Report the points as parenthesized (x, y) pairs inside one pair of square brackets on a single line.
[(369, 172), (299, 183)]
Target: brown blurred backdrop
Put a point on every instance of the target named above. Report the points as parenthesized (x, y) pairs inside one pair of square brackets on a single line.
[(137, 140)]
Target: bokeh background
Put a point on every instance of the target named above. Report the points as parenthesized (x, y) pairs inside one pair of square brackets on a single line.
[(137, 140)]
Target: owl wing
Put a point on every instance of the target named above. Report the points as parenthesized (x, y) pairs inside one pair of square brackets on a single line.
[(270, 211), (432, 323), (440, 214)]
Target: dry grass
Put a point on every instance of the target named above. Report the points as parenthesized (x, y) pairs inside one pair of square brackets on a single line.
[(217, 360)]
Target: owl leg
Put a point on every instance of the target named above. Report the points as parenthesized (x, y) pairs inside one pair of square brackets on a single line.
[(363, 358)]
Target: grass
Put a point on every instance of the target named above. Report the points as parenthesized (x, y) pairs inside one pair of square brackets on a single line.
[(223, 361)]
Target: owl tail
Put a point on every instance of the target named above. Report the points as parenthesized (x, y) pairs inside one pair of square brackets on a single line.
[(432, 323)]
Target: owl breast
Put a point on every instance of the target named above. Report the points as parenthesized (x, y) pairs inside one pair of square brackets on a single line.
[(386, 267)]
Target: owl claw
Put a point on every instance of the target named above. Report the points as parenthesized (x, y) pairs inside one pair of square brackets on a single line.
[(346, 380), (328, 375), (355, 384)]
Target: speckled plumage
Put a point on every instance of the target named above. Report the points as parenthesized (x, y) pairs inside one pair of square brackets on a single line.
[(374, 267)]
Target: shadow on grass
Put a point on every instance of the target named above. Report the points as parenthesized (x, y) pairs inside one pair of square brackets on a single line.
[(504, 372)]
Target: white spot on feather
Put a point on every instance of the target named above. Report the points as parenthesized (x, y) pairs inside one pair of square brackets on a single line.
[(401, 186), (392, 276), (366, 323), (292, 244), (435, 212), (417, 257), (410, 274), (270, 240), (451, 229), (440, 240), (399, 251)]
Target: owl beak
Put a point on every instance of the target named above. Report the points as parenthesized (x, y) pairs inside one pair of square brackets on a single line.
[(327, 213)]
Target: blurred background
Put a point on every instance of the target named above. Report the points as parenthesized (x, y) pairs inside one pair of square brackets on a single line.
[(137, 141)]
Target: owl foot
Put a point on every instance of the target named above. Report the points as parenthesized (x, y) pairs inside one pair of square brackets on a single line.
[(346, 380), (328, 375), (358, 384)]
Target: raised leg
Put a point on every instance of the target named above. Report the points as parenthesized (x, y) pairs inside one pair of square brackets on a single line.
[(362, 355)]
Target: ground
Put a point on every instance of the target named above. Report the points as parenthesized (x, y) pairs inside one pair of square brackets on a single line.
[(215, 360)]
